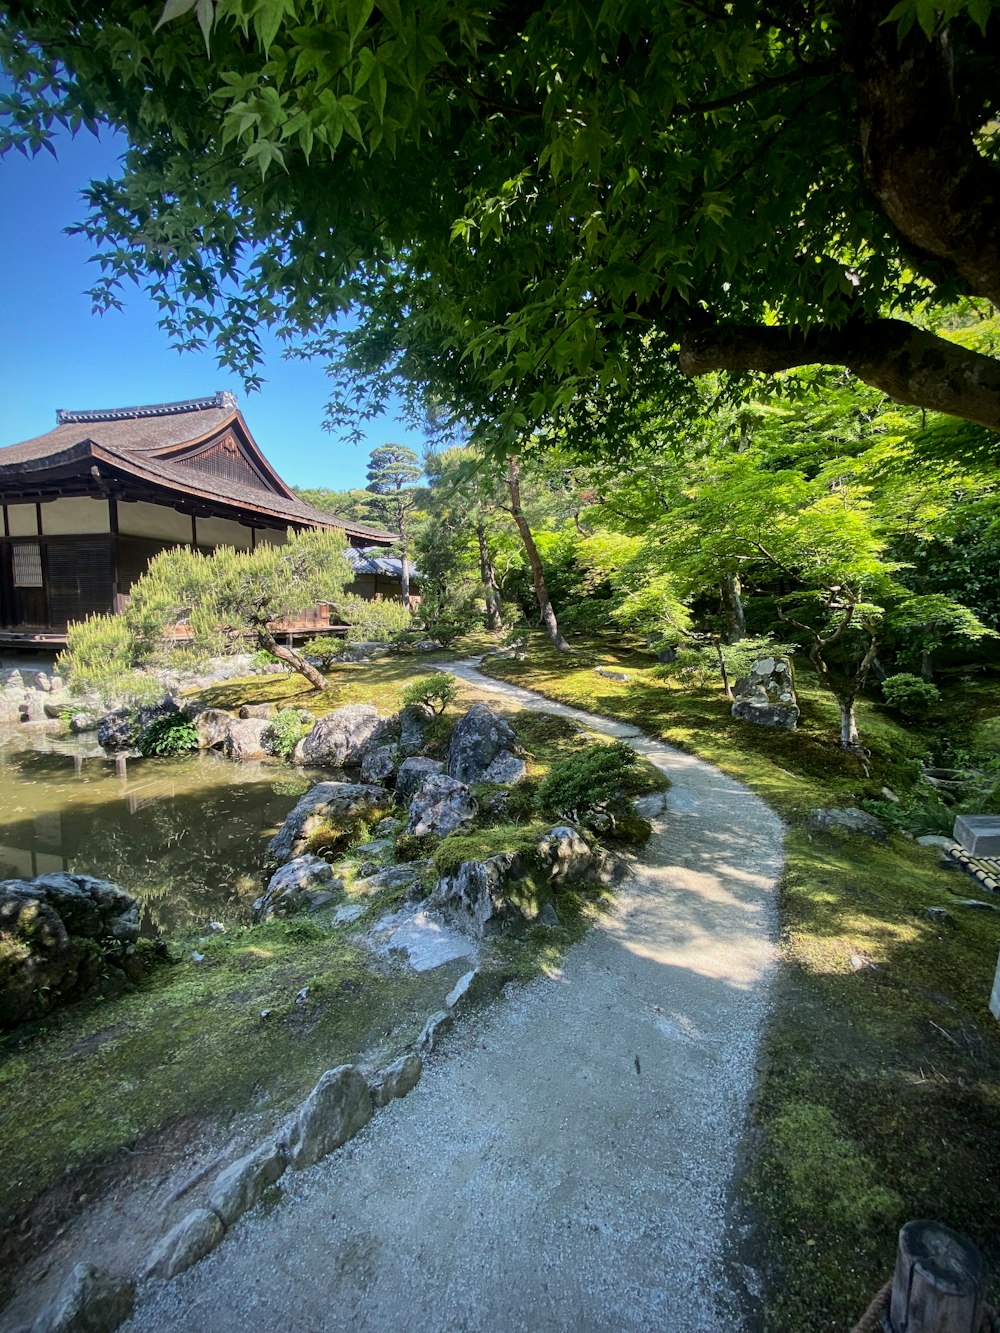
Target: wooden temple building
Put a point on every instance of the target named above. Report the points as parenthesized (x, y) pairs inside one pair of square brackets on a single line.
[(87, 506)]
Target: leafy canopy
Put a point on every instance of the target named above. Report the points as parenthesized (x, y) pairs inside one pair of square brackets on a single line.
[(524, 204)]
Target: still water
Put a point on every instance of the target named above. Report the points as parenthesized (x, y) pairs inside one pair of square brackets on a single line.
[(186, 836)]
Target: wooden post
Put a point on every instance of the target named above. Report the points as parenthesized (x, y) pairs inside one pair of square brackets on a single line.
[(940, 1282)]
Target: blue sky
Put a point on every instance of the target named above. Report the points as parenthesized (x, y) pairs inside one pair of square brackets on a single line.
[(55, 353)]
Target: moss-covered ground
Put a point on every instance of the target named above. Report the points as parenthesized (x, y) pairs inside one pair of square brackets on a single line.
[(879, 1098)]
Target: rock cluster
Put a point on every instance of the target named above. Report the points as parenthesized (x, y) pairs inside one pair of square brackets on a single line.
[(61, 937), (327, 803), (766, 695), (485, 748), (29, 696)]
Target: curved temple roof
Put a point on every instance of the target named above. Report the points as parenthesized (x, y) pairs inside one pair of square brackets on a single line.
[(170, 447)]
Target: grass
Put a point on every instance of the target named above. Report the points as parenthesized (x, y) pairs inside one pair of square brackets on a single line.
[(879, 1097)]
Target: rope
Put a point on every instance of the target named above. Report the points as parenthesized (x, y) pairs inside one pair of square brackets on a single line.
[(876, 1318)]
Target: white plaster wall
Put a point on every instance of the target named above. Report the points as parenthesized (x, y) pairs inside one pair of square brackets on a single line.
[(23, 520), (223, 532), (137, 518), (71, 516)]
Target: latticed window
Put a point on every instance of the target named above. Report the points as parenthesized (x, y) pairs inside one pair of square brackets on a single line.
[(27, 565)]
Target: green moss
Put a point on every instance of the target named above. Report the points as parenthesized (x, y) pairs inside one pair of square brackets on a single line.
[(479, 844)]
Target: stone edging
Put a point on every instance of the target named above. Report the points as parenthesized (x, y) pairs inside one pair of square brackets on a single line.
[(338, 1107)]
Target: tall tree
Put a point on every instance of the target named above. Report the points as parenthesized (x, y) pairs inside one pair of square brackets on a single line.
[(521, 198), (545, 607), (392, 471)]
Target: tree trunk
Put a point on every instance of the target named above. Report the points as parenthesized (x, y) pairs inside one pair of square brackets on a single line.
[(725, 672), (732, 607), (531, 550), (494, 618), (267, 641), (849, 738), (926, 669), (909, 364), (404, 579)]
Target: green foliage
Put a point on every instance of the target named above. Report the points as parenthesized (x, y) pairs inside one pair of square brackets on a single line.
[(411, 847), (323, 649), (909, 695), (372, 620), (596, 780), (285, 731), (480, 844), (173, 734), (435, 691), (222, 599)]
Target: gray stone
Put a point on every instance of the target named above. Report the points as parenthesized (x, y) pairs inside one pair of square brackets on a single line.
[(506, 769), (89, 1301), (481, 891), (851, 819), (461, 989), (437, 1024), (53, 923), (413, 772), (479, 737), (81, 722), (241, 1184), (935, 840), (191, 1239), (414, 721), (564, 855), (406, 875), (121, 728), (389, 827), (326, 802), (379, 764), (258, 710), (348, 913), (397, 1079), (441, 805), (53, 708), (766, 694), (296, 887), (338, 1106), (343, 737), (428, 646), (611, 675), (939, 915), (548, 916), (245, 739), (995, 994), (979, 834), (212, 724)]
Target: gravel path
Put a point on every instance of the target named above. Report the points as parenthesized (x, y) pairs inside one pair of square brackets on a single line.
[(564, 1163)]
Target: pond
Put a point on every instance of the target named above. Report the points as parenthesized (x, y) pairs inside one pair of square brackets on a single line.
[(186, 836)]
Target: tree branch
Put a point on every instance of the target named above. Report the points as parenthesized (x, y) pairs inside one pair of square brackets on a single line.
[(907, 363)]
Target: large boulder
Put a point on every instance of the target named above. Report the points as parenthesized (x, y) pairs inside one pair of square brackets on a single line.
[(306, 883), (441, 805), (414, 721), (414, 772), (343, 737), (338, 803), (61, 937), (564, 855), (479, 739), (766, 694), (212, 724), (379, 764), (247, 738), (191, 1239), (121, 728), (482, 892), (89, 1301)]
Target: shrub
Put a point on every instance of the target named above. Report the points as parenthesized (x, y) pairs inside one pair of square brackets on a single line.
[(285, 732), (594, 782), (411, 847), (909, 695), (373, 621), (436, 691), (173, 734), (324, 649)]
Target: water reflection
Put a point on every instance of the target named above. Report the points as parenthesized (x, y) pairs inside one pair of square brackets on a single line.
[(185, 835)]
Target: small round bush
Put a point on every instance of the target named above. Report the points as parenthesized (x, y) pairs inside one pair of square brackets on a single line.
[(173, 734), (597, 779), (909, 695), (436, 691)]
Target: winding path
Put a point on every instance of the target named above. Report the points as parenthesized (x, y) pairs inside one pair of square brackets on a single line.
[(565, 1161)]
